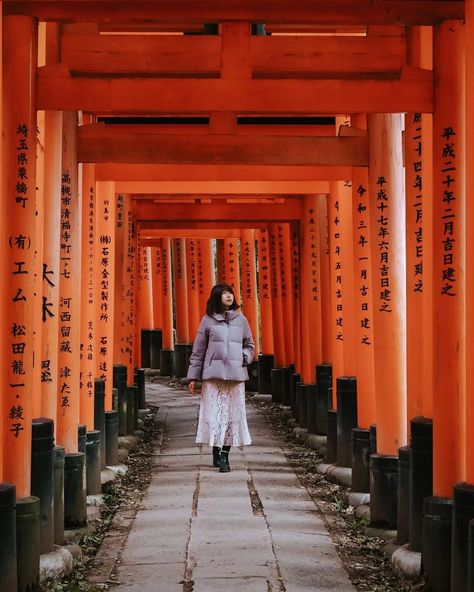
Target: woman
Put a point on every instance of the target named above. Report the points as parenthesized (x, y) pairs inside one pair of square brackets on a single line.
[(221, 351)]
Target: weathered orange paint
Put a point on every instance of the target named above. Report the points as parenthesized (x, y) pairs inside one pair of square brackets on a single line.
[(387, 218), (180, 290), (88, 302), (249, 283), (19, 127), (104, 276), (265, 292), (449, 252)]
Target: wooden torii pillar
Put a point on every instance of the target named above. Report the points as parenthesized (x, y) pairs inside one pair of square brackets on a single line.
[(104, 273), (449, 282), (311, 289), (249, 283), (50, 271), (232, 267), (88, 305), (266, 357), (69, 292), (387, 215), (167, 352), (18, 224), (194, 314), (206, 274), (470, 240), (181, 306)]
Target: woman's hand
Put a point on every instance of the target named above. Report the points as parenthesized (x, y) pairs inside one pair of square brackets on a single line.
[(192, 387)]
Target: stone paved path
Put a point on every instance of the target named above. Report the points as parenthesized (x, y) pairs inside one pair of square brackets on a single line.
[(198, 530)]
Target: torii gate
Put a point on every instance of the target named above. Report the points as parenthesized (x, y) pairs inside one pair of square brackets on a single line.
[(227, 84)]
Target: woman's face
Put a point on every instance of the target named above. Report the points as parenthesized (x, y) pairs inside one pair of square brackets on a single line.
[(227, 299)]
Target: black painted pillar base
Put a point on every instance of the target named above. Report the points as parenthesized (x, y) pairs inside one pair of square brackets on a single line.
[(28, 543), (331, 446), (463, 513), (287, 372), (360, 460), (99, 413), (42, 477), (323, 397), (58, 460), (383, 490), (145, 348), (132, 398), (295, 379), (115, 399), (8, 577), (111, 438), (298, 395), (277, 385), (470, 558), (156, 343), (346, 393), (93, 464), (141, 388), (189, 351), (311, 401), (302, 395), (120, 383), (252, 383), (167, 362), (180, 362), (404, 454), (373, 438), (265, 366), (81, 437), (421, 476), (436, 535), (75, 513)]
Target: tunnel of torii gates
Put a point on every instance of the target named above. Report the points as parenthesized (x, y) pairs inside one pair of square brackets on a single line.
[(318, 163)]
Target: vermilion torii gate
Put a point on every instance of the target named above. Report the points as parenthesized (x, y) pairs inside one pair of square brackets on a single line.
[(337, 147)]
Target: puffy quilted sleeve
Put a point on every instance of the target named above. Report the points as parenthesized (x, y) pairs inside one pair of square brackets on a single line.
[(198, 354), (248, 345)]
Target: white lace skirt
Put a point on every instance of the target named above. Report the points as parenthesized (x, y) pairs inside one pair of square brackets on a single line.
[(222, 416)]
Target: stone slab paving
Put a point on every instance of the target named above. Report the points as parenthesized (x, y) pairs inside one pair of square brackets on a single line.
[(254, 529)]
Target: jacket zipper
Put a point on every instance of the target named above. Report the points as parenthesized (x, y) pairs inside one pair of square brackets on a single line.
[(227, 349)]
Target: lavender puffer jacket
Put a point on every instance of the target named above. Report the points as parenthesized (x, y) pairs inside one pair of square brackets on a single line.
[(222, 349)]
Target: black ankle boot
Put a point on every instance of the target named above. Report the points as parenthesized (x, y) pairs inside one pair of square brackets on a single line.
[(223, 465), (215, 455)]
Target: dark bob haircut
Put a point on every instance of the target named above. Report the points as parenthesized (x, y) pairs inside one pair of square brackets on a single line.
[(214, 304)]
